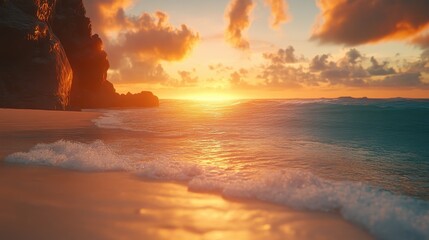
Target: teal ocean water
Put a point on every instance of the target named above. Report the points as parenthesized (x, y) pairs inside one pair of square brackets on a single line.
[(364, 158)]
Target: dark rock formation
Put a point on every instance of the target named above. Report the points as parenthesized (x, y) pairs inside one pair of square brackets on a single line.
[(34, 69), (84, 50), (89, 62), (50, 59)]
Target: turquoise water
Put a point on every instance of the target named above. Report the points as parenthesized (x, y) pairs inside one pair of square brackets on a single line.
[(366, 159)]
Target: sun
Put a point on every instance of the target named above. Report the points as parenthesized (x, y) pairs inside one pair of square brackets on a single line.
[(210, 97)]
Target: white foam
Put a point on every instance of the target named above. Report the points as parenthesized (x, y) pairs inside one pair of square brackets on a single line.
[(169, 170), (109, 119), (95, 156), (386, 215)]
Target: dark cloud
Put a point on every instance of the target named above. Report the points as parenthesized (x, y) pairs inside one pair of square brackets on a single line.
[(320, 63), (364, 21), (350, 72), (347, 71), (353, 57), (401, 80), (377, 69)]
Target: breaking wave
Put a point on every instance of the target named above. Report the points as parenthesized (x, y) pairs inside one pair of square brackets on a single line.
[(386, 215)]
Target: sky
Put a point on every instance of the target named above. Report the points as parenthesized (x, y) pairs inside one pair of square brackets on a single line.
[(220, 49)]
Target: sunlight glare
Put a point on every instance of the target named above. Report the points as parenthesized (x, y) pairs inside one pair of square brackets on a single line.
[(210, 97)]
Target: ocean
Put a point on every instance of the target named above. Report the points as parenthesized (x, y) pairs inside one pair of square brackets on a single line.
[(366, 159)]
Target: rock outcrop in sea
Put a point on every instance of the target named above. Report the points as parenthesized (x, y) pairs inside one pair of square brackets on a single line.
[(49, 59)]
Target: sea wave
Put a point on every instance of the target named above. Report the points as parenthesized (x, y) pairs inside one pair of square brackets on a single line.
[(94, 156), (386, 215), (110, 119)]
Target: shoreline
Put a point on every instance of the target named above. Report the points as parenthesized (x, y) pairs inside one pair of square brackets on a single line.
[(42, 202), (34, 119), (21, 129), (123, 205)]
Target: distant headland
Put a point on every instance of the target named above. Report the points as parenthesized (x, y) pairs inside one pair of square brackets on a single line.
[(49, 59)]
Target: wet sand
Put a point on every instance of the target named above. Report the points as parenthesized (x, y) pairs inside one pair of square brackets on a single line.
[(21, 129), (47, 203)]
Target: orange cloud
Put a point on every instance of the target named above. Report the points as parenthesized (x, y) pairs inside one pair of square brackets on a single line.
[(151, 36), (136, 45), (107, 15), (278, 11), (422, 40), (364, 21), (238, 15)]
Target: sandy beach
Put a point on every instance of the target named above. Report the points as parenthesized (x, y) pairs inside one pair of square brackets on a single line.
[(48, 203)]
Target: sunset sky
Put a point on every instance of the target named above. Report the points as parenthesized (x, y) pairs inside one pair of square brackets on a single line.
[(266, 48)]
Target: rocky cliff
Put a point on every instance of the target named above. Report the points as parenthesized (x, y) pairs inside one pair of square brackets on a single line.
[(50, 59), (34, 69)]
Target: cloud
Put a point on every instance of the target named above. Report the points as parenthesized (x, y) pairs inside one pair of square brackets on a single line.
[(220, 68), (352, 70), (377, 69), (278, 12), (153, 37), (420, 65), (238, 79), (401, 80), (279, 73), (283, 76), (348, 70), (282, 56), (365, 21), (352, 56), (186, 79), (320, 62), (134, 70), (106, 14), (137, 44), (422, 40), (425, 56), (238, 16)]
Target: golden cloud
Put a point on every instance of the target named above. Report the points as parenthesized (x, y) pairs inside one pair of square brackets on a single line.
[(238, 16), (278, 12), (152, 36), (137, 43)]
